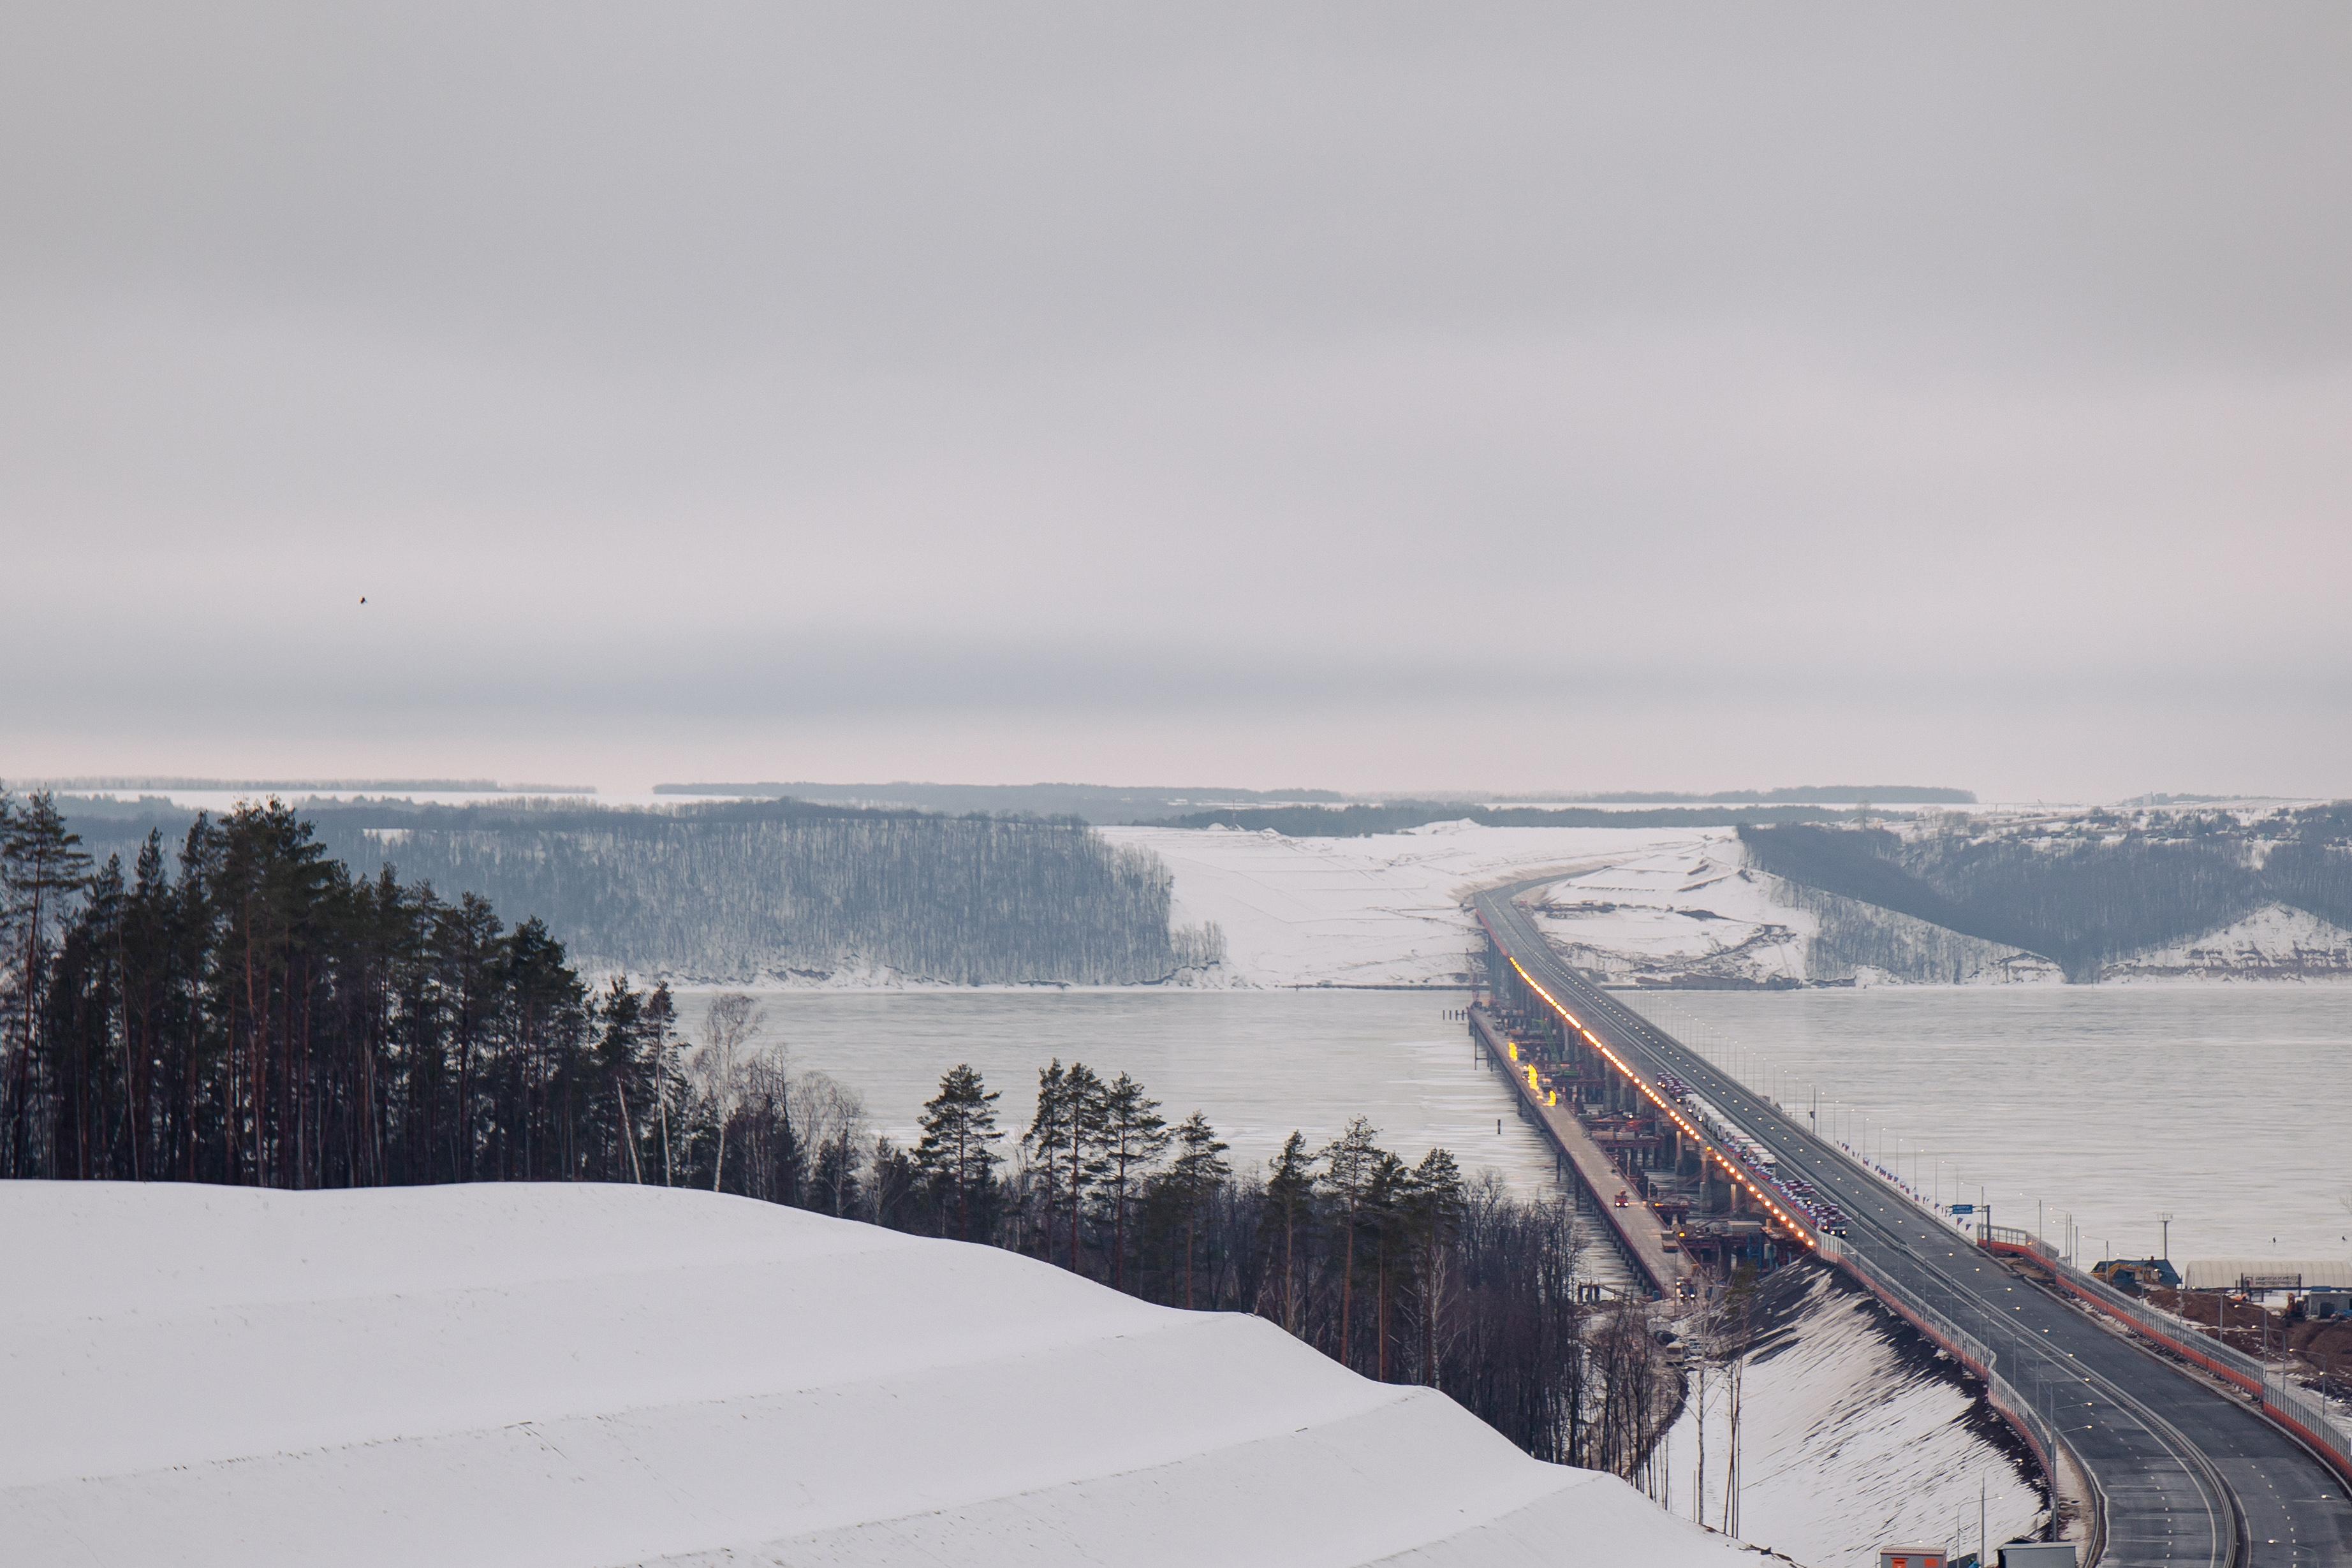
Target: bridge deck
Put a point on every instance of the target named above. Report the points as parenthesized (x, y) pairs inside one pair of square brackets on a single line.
[(1640, 1234), (2193, 1477)]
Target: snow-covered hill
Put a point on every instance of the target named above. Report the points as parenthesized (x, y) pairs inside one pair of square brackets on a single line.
[(1383, 910), (1641, 905), (1638, 906), (1680, 912), (570, 1376), (2273, 942)]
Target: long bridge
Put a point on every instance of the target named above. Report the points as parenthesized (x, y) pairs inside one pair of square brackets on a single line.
[(2180, 1472)]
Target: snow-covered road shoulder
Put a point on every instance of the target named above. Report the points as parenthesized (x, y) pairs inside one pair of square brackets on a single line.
[(574, 1375)]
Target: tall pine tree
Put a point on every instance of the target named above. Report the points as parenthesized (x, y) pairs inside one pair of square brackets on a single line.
[(954, 1154)]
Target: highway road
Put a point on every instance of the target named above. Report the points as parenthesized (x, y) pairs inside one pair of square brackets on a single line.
[(2194, 1477)]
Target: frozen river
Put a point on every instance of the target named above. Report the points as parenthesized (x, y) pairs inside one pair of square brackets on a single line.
[(1258, 1063), (2229, 1107)]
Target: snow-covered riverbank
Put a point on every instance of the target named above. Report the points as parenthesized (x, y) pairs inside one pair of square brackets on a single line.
[(1855, 1432), (1384, 910), (1655, 906), (545, 1376)]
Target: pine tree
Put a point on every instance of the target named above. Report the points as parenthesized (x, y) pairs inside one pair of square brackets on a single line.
[(81, 1069), (959, 1125), (1081, 1130), (1348, 1161), (548, 1013), (143, 973), (1043, 1143), (621, 1059), (41, 866), (1193, 1178), (1290, 1190), (661, 1040), (1388, 1193), (278, 899), (469, 940), (1437, 1207), (892, 1182), (1134, 1136)]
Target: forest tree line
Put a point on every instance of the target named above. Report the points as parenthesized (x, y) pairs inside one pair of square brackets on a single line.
[(734, 892), (240, 1007), (1402, 816), (2083, 892), (1403, 1269)]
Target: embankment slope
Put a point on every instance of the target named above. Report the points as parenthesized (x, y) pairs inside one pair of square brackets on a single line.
[(573, 1374)]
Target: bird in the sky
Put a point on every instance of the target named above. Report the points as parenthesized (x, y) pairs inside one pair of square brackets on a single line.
[(362, 599)]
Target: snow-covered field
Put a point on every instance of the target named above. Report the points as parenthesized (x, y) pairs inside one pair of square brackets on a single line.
[(1680, 910), (1385, 910), (559, 1374), (1637, 906)]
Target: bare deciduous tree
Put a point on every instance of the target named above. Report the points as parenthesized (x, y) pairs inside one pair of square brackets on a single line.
[(718, 1068)]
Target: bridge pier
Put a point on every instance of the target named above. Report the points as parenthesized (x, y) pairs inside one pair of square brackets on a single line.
[(2151, 1444), (1595, 1174)]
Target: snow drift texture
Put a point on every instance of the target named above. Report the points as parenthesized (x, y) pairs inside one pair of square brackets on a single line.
[(575, 1374)]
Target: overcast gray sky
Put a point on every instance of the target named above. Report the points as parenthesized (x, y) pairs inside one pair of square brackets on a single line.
[(1373, 396)]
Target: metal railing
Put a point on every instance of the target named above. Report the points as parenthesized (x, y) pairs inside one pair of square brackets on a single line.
[(2034, 1416), (2322, 1423), (2319, 1421), (2039, 1420), (2247, 1371), (1966, 1346)]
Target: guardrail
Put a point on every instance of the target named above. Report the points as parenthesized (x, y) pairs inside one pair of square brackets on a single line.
[(2041, 1430), (2322, 1427), (2316, 1420), (2033, 1417), (2031, 1422), (2225, 1360)]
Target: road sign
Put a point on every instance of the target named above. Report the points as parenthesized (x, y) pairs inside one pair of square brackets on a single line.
[(1964, 1208)]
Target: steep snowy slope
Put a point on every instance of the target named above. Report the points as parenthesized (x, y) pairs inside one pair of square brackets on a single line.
[(574, 1375), (2272, 943), (1685, 911), (1853, 1432)]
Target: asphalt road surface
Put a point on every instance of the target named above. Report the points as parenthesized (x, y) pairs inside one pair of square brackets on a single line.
[(2194, 1477)]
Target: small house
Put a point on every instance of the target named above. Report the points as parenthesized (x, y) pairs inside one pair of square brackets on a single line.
[(2138, 1274)]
